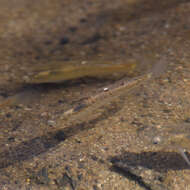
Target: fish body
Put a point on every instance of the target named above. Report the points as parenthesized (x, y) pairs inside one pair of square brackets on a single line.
[(73, 70)]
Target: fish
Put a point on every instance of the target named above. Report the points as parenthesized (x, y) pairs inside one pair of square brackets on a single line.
[(59, 71)]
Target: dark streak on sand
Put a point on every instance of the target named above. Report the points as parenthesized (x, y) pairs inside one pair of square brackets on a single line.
[(38, 145)]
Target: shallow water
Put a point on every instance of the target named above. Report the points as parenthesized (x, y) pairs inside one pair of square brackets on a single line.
[(55, 125)]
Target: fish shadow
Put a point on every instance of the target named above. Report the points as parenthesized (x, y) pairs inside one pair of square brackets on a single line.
[(31, 148), (159, 161), (148, 169)]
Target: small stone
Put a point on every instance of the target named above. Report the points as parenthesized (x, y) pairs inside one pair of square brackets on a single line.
[(44, 114), (27, 109), (106, 89), (83, 62), (51, 122), (26, 78), (167, 26), (158, 126), (156, 140)]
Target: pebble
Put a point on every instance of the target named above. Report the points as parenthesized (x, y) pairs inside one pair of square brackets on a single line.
[(51, 122), (156, 140), (106, 89), (44, 114), (26, 78), (27, 109)]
